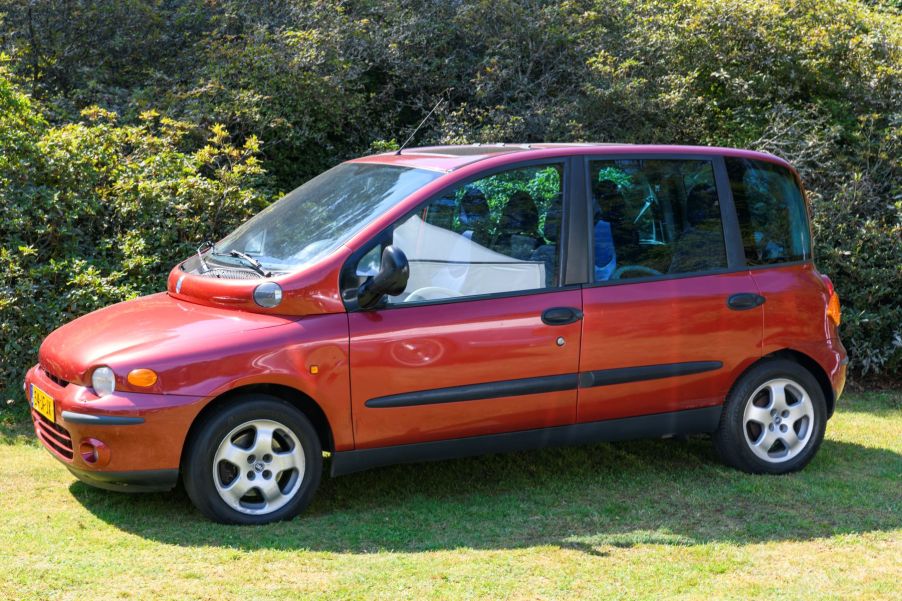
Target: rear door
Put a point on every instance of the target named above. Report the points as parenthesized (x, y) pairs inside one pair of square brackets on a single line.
[(485, 339), (672, 314), (776, 238)]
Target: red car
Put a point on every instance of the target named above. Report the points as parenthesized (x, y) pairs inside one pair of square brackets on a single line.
[(448, 301)]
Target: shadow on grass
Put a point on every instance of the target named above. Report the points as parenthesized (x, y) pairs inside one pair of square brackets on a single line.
[(587, 498)]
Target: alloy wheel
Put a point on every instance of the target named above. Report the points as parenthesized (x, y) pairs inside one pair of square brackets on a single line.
[(778, 420), (258, 467)]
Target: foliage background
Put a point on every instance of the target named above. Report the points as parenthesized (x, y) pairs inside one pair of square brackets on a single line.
[(131, 130)]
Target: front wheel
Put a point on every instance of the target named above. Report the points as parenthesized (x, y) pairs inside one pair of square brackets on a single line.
[(256, 460), (773, 420)]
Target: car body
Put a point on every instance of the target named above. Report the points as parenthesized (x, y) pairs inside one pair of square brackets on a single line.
[(566, 345)]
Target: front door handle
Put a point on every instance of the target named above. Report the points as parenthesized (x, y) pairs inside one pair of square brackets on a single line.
[(561, 316), (744, 301)]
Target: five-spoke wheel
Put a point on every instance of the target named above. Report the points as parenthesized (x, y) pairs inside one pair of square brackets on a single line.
[(777, 420), (773, 420), (258, 467), (255, 460)]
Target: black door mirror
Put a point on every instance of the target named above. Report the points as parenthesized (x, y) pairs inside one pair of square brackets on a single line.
[(391, 279)]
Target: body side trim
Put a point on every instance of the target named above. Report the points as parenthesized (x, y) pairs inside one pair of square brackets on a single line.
[(541, 384), (622, 375), (477, 392)]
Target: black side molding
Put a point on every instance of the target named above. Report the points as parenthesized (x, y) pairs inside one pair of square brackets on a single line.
[(691, 421), (541, 384), (100, 420), (477, 392), (607, 377)]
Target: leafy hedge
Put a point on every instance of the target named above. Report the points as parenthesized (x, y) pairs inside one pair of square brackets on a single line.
[(96, 212), (98, 203)]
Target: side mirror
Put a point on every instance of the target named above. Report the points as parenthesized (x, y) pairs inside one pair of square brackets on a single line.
[(391, 279)]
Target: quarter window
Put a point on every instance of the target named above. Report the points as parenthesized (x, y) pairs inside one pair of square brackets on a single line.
[(771, 211), (654, 217), (497, 234)]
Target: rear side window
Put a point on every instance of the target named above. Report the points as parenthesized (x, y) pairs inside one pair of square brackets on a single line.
[(771, 211), (655, 217)]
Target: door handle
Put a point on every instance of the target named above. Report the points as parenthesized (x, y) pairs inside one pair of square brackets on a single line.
[(744, 301), (561, 316)]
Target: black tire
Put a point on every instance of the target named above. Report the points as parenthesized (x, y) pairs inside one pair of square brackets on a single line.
[(199, 472), (733, 437)]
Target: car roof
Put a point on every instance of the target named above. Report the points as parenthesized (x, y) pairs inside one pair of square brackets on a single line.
[(451, 158)]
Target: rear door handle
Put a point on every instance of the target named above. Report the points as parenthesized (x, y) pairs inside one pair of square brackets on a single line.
[(744, 301), (561, 316)]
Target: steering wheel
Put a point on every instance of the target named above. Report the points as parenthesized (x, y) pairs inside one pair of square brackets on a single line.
[(640, 268), (430, 293)]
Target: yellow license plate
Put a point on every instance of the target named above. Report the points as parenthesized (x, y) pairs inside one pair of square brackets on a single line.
[(42, 403)]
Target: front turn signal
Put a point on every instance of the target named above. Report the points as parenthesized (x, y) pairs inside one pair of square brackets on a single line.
[(833, 310), (143, 378)]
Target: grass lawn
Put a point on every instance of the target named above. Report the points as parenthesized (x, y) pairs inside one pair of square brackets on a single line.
[(640, 519)]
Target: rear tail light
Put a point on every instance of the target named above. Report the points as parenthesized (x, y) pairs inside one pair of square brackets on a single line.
[(833, 310)]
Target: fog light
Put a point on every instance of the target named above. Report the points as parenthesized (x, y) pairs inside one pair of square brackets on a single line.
[(94, 452), (142, 377), (88, 452)]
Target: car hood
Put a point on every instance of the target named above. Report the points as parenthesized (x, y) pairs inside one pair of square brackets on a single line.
[(141, 328)]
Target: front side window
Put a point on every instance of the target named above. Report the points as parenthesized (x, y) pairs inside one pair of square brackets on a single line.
[(497, 234), (771, 211), (313, 220), (655, 217)]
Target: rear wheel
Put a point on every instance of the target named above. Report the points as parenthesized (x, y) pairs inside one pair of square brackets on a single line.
[(773, 420), (255, 461)]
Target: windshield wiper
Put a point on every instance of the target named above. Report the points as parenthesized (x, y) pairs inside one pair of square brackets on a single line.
[(205, 245), (254, 263)]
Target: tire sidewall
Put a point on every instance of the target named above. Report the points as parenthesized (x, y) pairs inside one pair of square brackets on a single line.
[(197, 466), (733, 419)]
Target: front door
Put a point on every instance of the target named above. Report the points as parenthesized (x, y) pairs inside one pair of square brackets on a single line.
[(672, 316), (484, 339)]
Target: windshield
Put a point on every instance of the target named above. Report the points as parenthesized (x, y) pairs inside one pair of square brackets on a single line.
[(313, 220)]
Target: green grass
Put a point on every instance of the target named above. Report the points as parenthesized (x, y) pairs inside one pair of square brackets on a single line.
[(643, 519)]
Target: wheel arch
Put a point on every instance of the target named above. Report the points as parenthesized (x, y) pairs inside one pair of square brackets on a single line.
[(302, 402), (806, 361)]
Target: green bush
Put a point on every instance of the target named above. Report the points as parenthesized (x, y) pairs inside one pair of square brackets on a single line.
[(95, 212)]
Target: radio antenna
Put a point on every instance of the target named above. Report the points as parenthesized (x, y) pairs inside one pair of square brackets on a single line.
[(425, 119)]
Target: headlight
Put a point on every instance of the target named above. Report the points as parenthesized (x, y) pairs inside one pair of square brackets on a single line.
[(268, 294), (104, 381)]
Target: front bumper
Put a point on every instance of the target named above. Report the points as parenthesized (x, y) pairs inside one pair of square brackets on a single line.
[(135, 481), (125, 441)]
